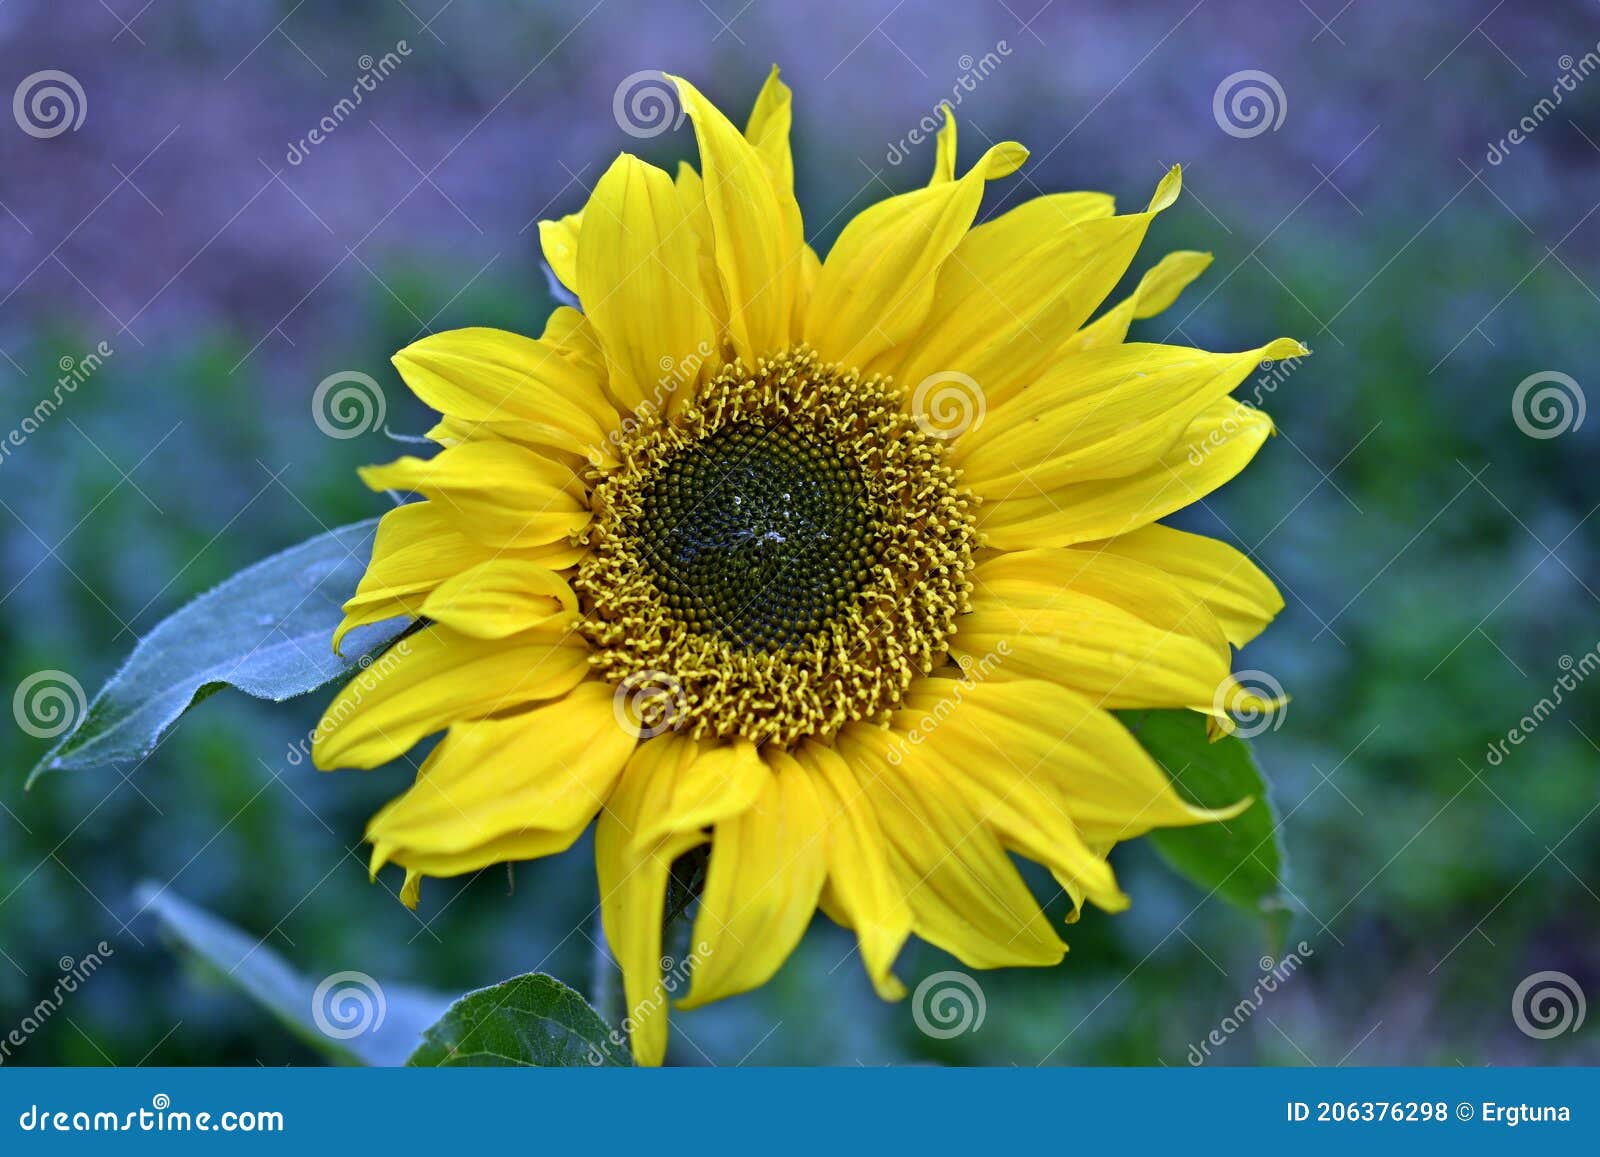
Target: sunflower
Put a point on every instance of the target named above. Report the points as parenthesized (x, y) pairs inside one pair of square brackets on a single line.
[(837, 568)]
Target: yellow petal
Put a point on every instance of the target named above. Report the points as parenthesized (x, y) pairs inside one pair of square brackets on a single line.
[(489, 375), (1073, 887), (448, 431), (1035, 577), (496, 492), (1156, 291), (755, 224), (573, 335), (633, 884), (877, 284), (414, 551), (498, 598), (559, 240), (1005, 795), (723, 781), (531, 844), (437, 677), (1104, 413), (1241, 596), (944, 160), (862, 891), (411, 890), (1008, 289), (1017, 287), (768, 129), (549, 769), (1241, 700), (965, 894), (691, 195), (766, 872), (1089, 763), (639, 281), (810, 271), (1217, 445), (1116, 630)]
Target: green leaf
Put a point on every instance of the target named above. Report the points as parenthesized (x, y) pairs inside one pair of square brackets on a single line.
[(347, 1015), (528, 1020), (1240, 859), (266, 631)]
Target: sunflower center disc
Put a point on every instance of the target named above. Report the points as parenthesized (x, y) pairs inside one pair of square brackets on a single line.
[(778, 557), (758, 535)]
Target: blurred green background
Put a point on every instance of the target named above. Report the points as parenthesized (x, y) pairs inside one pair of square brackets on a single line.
[(1437, 561)]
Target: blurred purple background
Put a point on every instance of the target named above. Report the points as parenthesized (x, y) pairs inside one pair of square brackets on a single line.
[(1438, 562)]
